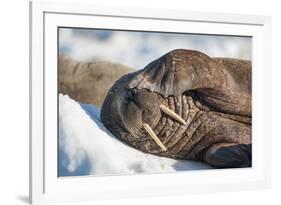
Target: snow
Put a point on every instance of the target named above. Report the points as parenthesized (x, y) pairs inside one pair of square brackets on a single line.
[(87, 148)]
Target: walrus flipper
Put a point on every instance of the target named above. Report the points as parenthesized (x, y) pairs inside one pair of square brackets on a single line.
[(229, 155), (226, 100)]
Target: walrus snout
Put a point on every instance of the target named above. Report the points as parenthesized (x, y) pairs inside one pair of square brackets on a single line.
[(141, 112), (138, 107)]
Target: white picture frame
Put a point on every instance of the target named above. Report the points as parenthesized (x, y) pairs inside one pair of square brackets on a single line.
[(45, 186)]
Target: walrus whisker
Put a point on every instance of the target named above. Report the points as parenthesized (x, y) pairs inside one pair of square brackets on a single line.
[(172, 114), (152, 134)]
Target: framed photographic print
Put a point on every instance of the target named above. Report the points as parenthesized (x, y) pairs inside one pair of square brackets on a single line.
[(128, 102)]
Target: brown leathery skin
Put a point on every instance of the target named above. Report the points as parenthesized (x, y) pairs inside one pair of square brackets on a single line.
[(240, 71), (208, 95), (203, 128)]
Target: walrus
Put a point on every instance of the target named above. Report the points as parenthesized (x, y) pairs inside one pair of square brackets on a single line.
[(185, 105), (88, 82)]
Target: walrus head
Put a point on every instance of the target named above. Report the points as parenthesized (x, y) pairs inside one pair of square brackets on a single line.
[(128, 112), (134, 104)]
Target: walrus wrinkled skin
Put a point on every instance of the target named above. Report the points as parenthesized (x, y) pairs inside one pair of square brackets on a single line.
[(212, 97)]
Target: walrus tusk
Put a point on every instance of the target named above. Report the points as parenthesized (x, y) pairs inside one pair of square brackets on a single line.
[(172, 114), (153, 136)]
